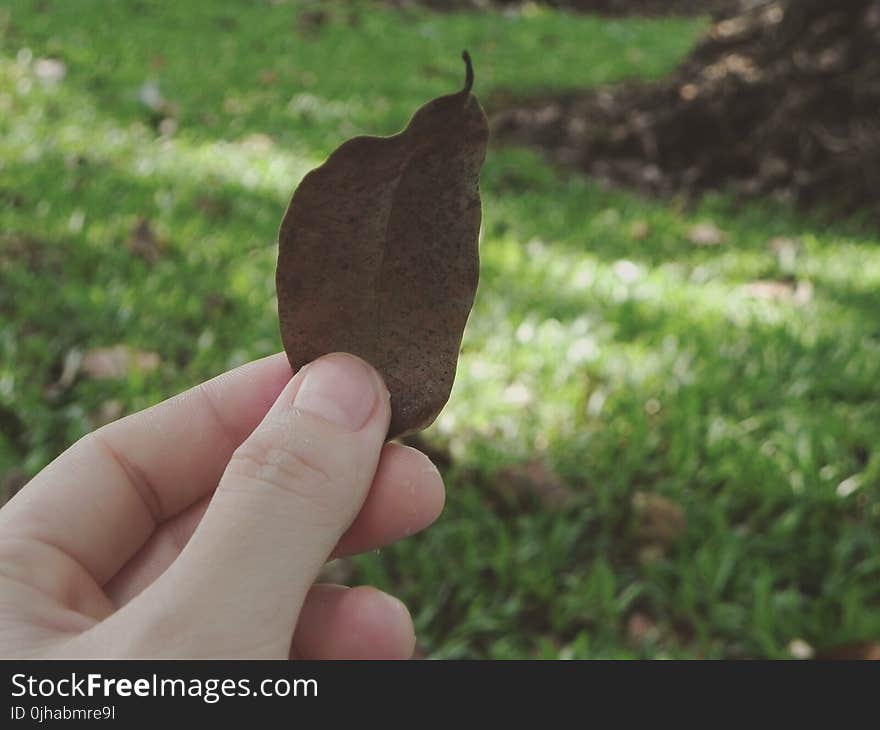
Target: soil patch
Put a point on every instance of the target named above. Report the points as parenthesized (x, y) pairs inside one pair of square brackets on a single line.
[(781, 100)]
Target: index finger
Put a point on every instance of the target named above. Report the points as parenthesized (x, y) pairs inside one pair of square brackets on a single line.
[(102, 498)]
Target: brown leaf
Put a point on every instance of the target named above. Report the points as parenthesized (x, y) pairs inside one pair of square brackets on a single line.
[(308, 21), (769, 289), (659, 520), (267, 77), (641, 628), (706, 234), (856, 651), (799, 294), (650, 553), (378, 254), (258, 142), (70, 368), (107, 412), (143, 242), (213, 207), (109, 363), (534, 479), (640, 230)]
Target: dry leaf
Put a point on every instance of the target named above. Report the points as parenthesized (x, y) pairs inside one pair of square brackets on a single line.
[(109, 363), (143, 242), (308, 21), (73, 361), (799, 294), (106, 413), (258, 142), (857, 651), (640, 230), (650, 554), (641, 628), (706, 234), (378, 254), (769, 289), (659, 520), (267, 77), (534, 479)]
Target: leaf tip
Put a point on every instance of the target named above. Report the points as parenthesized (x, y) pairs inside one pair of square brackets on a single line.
[(469, 72)]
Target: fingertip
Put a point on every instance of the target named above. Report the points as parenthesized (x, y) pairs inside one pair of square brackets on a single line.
[(417, 480), (433, 486), (407, 495), (383, 622), (354, 623)]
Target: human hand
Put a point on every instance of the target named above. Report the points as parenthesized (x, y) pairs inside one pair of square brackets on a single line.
[(196, 528)]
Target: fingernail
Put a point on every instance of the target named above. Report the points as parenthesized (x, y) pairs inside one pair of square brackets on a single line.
[(340, 389)]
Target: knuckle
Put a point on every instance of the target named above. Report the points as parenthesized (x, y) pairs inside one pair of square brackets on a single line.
[(283, 466)]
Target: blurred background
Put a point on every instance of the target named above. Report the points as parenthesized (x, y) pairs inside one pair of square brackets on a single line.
[(663, 437)]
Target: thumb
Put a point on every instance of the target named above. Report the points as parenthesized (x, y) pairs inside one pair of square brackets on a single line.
[(288, 494)]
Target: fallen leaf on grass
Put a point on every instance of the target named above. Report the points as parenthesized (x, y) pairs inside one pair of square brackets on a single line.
[(650, 553), (214, 207), (706, 234), (143, 242), (111, 363), (799, 294), (69, 370), (534, 480), (309, 21), (107, 412), (267, 77), (659, 520), (768, 290), (639, 230), (258, 142), (641, 628), (856, 651)]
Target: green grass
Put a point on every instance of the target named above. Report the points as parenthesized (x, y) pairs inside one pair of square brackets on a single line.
[(626, 363)]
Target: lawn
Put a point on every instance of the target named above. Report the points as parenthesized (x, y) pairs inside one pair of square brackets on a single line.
[(655, 448)]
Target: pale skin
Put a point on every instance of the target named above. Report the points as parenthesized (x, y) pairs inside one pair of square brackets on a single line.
[(197, 528)]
